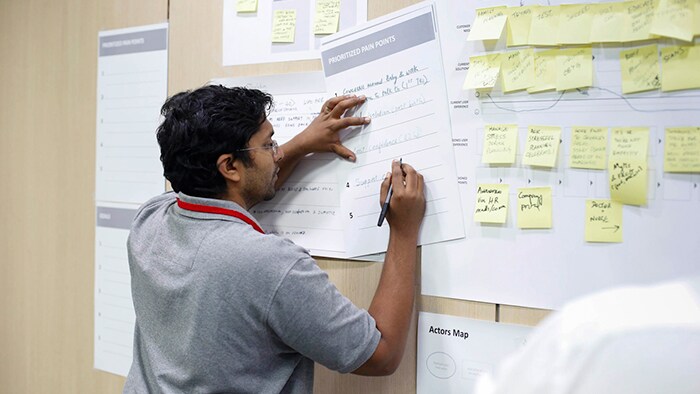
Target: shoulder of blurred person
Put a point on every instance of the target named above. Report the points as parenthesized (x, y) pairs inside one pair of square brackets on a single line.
[(633, 339)]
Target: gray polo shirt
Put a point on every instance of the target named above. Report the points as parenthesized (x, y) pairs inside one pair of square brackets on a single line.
[(221, 307)]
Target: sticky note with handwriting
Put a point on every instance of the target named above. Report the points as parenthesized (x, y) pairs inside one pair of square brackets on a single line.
[(518, 69), (638, 15), (607, 19), (682, 149), (284, 25), (534, 207), (674, 19), (488, 24), (627, 165), (588, 147), (603, 221), (327, 16), (542, 146), (575, 23), (483, 71), (246, 6), (640, 69), (544, 25), (518, 25), (574, 68), (545, 71), (679, 68), (491, 203), (500, 143)]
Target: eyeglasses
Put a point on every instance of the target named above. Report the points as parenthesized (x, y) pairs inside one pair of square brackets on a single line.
[(273, 146)]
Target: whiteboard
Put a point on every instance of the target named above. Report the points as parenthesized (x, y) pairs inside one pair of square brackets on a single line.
[(545, 268)]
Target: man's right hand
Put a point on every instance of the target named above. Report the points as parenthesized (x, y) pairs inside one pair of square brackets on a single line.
[(407, 204)]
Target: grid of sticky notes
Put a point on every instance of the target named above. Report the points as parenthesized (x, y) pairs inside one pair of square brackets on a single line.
[(625, 161), (580, 25)]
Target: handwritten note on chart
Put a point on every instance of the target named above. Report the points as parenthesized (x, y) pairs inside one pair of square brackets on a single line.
[(603, 221), (542, 146), (518, 25), (607, 19), (534, 207), (483, 71), (545, 71), (518, 70), (679, 65), (545, 21), (500, 143), (627, 165), (327, 16), (673, 18), (640, 69), (588, 147), (682, 149), (395, 61), (488, 24), (575, 23), (284, 25), (638, 15), (574, 68), (491, 203)]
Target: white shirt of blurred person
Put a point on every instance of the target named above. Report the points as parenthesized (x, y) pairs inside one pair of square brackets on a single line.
[(628, 340)]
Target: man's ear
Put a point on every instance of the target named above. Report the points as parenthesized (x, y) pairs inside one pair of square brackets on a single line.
[(229, 167)]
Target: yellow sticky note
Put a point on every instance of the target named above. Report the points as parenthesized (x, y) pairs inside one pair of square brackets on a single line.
[(491, 203), (588, 147), (640, 69), (535, 207), (627, 165), (500, 143), (284, 25), (607, 19), (327, 16), (696, 18), (674, 18), (682, 149), (638, 16), (603, 221), (518, 25), (544, 25), (574, 68), (483, 71), (542, 146), (518, 69), (575, 23), (545, 71), (679, 68), (246, 5), (488, 24)]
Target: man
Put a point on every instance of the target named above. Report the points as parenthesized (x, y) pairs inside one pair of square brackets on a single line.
[(223, 307)]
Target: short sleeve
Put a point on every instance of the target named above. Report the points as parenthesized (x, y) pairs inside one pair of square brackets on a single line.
[(309, 315)]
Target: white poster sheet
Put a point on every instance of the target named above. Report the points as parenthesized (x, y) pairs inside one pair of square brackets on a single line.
[(132, 82), (544, 268), (395, 62), (453, 352), (247, 36)]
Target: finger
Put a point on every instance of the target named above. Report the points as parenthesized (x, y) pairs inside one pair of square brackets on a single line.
[(411, 176), (396, 176), (332, 102), (420, 184), (342, 151), (346, 104), (353, 121), (384, 189)]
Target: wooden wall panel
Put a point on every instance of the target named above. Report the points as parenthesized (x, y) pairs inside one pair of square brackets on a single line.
[(47, 152)]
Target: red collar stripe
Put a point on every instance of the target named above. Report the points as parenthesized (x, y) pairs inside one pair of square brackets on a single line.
[(222, 211)]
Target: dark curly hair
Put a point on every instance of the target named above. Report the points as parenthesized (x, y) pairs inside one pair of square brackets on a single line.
[(200, 126)]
